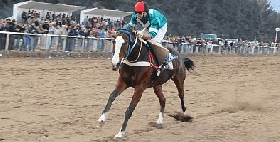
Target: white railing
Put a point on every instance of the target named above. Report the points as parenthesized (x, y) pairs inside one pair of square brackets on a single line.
[(6, 35), (86, 44), (190, 48)]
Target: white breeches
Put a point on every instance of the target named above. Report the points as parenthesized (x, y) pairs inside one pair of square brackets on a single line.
[(160, 34)]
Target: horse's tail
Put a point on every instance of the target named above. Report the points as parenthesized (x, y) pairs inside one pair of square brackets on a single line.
[(189, 64)]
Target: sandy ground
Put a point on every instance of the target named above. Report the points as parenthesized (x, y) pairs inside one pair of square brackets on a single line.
[(234, 99)]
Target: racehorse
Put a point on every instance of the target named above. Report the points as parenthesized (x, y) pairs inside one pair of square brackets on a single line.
[(138, 69)]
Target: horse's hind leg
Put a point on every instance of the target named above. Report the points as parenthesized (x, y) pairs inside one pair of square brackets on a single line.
[(179, 82), (120, 87), (135, 99), (161, 99)]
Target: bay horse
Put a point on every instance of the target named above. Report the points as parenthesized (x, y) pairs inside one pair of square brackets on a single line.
[(137, 69)]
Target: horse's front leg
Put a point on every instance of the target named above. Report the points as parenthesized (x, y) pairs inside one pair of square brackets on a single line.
[(161, 99), (120, 87), (135, 99)]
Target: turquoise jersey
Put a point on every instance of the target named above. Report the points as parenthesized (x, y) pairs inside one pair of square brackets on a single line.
[(153, 21)]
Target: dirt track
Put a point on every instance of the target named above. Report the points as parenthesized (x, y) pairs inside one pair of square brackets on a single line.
[(235, 99)]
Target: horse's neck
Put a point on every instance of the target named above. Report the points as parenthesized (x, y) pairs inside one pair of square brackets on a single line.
[(144, 54), (139, 53)]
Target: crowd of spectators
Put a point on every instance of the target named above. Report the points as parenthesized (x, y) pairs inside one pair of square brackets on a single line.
[(64, 19), (188, 43), (57, 24)]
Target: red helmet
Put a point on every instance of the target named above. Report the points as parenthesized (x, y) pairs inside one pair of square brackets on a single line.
[(141, 7)]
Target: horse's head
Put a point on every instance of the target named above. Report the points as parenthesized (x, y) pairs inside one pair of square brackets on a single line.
[(122, 42)]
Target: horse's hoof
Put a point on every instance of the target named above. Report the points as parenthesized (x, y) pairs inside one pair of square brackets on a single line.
[(101, 123), (120, 135), (159, 126), (118, 138), (159, 122), (184, 109), (102, 118)]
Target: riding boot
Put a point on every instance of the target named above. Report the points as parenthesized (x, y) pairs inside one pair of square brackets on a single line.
[(168, 62), (170, 65)]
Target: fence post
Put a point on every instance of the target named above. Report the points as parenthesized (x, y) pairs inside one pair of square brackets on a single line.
[(7, 42), (220, 52), (274, 49), (191, 50), (83, 44)]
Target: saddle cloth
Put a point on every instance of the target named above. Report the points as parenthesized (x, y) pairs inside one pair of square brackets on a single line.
[(159, 51)]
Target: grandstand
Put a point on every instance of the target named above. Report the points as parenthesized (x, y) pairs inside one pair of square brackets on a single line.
[(42, 8)]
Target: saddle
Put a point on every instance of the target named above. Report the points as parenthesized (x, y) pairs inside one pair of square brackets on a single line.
[(159, 51)]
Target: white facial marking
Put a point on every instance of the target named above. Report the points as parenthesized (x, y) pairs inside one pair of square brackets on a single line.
[(119, 41)]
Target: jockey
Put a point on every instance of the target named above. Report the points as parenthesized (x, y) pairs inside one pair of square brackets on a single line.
[(155, 28)]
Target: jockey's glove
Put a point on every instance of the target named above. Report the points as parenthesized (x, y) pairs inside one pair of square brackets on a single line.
[(139, 34)]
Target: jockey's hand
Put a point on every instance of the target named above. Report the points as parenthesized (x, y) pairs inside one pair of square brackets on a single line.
[(143, 36), (147, 37), (139, 34)]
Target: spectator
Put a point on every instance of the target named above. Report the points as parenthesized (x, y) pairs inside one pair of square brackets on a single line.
[(32, 31), (64, 33), (24, 17), (72, 33), (101, 41)]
